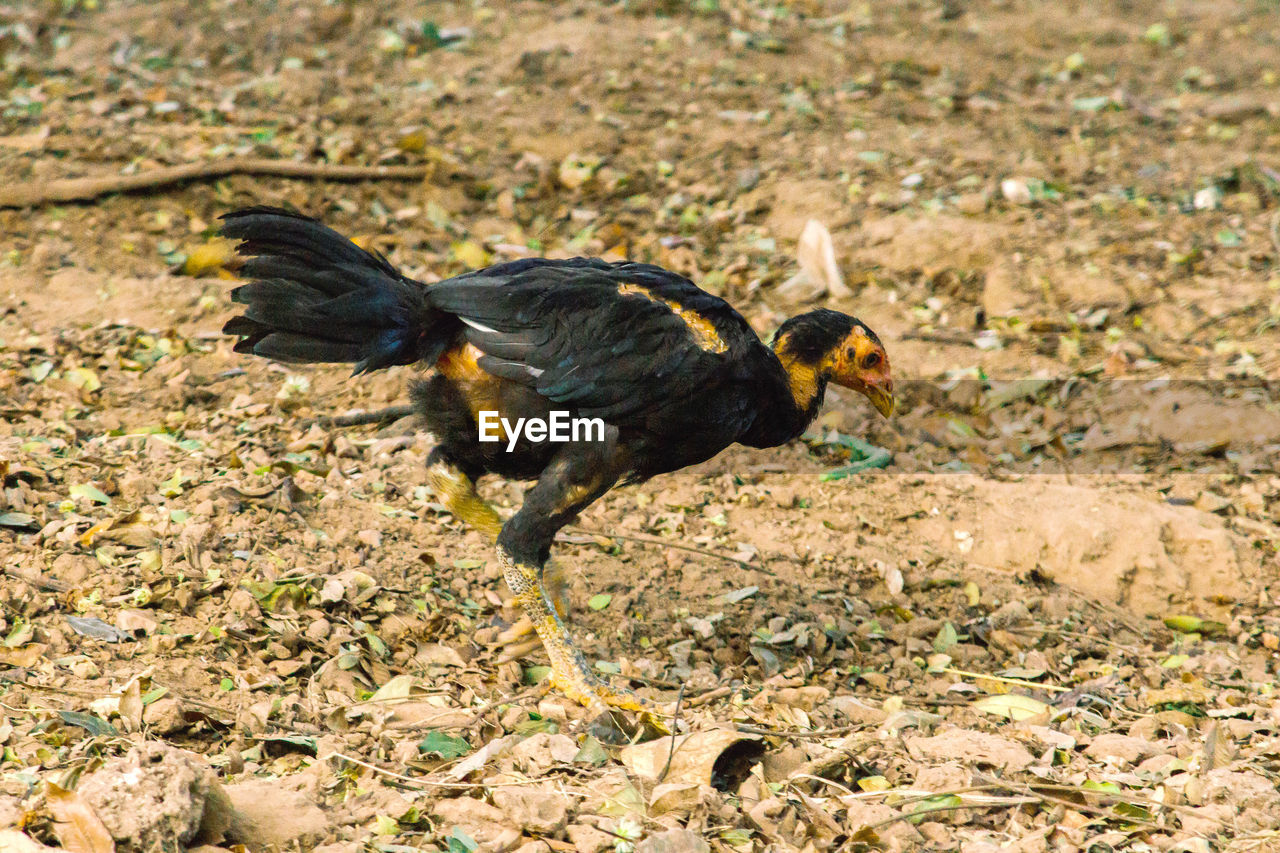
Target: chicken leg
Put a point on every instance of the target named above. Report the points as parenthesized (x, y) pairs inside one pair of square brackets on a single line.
[(580, 474), (458, 493)]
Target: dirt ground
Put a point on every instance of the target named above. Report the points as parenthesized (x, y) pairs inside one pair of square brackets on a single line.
[(1049, 624)]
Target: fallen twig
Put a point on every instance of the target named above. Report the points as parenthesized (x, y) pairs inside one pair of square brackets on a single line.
[(710, 696), (675, 730), (390, 413), (1019, 682), (942, 337), (645, 540), (801, 734), (847, 751), (38, 193), (422, 783), (36, 579)]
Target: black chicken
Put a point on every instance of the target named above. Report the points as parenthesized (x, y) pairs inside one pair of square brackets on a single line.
[(675, 374)]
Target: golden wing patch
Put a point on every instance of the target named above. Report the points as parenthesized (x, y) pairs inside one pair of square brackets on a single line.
[(703, 331)]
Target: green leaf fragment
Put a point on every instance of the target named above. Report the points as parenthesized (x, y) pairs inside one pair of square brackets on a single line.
[(460, 842), (946, 638), (862, 455), (89, 492), (536, 674), (944, 802), (533, 727), (1091, 105), (591, 752), (1187, 624), (443, 745), (18, 520), (1105, 787), (95, 726)]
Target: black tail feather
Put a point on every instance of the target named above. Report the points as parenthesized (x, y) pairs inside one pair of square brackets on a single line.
[(314, 296)]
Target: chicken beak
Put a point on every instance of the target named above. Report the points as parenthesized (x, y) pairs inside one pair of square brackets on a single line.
[(881, 398)]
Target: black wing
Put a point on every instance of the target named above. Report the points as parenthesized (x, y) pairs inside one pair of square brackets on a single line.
[(608, 340)]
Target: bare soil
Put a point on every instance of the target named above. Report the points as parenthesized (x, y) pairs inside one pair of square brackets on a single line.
[(1049, 624)]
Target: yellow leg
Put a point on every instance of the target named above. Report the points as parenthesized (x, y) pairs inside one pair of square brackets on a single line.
[(569, 671), (458, 493)]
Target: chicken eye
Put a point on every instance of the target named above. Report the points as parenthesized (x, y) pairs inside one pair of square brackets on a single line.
[(871, 360)]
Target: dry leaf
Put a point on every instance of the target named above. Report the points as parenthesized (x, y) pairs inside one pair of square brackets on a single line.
[(130, 707), (23, 656), (12, 841), (817, 257), (397, 689), (482, 756), (409, 714), (819, 274), (971, 747), (674, 797), (1014, 706), (77, 825), (694, 758), (893, 580), (132, 622)]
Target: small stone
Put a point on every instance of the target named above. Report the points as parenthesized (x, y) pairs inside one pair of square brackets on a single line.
[(1016, 190), (1011, 615), (1234, 110), (540, 751), (483, 822), (242, 603), (156, 795), (85, 668), (164, 716), (1156, 764), (588, 839), (1209, 198), (972, 204), (135, 623), (748, 179), (73, 569)]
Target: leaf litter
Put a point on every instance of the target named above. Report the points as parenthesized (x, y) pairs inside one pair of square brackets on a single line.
[(196, 581)]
